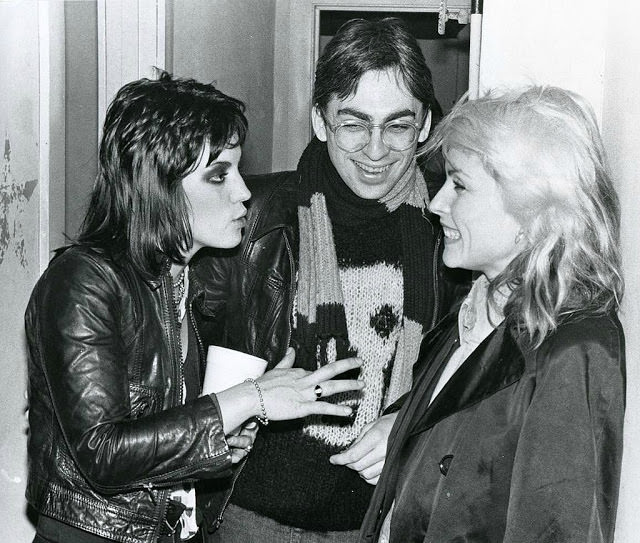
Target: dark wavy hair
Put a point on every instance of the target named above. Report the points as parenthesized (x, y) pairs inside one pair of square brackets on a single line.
[(362, 45), (154, 135)]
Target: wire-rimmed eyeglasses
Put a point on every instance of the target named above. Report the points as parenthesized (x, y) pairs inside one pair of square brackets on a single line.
[(353, 135)]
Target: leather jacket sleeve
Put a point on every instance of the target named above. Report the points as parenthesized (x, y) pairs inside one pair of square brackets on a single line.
[(89, 370)]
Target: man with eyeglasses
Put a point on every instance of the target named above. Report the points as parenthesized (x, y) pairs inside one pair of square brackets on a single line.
[(340, 258)]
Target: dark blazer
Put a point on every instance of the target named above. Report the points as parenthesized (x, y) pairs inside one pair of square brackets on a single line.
[(519, 446)]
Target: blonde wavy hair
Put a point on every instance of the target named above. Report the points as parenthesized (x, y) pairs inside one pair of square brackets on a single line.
[(542, 146)]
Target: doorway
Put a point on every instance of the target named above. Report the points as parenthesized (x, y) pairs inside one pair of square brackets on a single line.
[(447, 55)]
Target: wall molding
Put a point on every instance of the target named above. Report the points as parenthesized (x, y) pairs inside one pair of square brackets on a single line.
[(131, 45), (51, 146)]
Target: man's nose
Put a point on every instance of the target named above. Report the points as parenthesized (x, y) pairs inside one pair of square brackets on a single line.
[(376, 148)]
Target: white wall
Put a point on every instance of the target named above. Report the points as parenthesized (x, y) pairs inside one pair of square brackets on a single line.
[(591, 47), (231, 42), (31, 215), (621, 131), (546, 41), (19, 253)]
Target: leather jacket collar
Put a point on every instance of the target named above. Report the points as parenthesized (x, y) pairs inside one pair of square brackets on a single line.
[(278, 211)]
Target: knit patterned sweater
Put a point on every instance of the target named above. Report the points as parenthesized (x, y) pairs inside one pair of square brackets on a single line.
[(288, 476)]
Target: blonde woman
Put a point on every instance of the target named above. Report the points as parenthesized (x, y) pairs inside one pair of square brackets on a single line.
[(512, 432)]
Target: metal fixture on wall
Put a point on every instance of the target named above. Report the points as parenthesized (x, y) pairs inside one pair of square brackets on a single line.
[(464, 16), (474, 48)]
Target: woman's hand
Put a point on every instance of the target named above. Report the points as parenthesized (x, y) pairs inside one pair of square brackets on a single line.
[(242, 442), (290, 393)]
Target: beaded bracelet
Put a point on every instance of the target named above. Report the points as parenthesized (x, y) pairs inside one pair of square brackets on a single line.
[(262, 419)]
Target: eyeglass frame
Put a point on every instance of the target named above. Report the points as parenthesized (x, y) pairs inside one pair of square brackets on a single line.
[(370, 126)]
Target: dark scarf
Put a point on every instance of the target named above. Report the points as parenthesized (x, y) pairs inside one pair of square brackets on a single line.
[(321, 320)]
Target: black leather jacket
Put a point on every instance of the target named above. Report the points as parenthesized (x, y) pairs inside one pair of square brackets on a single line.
[(104, 363), (244, 297)]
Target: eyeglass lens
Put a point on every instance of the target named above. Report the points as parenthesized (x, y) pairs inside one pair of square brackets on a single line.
[(355, 136)]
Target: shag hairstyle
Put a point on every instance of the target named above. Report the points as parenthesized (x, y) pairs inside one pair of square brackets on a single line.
[(360, 46), (543, 147), (154, 135)]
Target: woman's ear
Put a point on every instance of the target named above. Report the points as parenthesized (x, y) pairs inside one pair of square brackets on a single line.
[(317, 120), (519, 236), (426, 127)]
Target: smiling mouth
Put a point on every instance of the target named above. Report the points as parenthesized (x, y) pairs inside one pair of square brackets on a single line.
[(374, 170), (450, 233)]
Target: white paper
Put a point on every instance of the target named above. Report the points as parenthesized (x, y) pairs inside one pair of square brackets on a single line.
[(226, 368)]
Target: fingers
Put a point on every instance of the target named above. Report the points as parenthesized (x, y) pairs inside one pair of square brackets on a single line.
[(238, 454), (372, 474), (329, 371), (366, 455), (325, 408), (288, 359), (249, 429), (240, 446), (239, 442), (369, 466), (354, 454), (359, 456), (342, 459), (329, 388), (289, 392)]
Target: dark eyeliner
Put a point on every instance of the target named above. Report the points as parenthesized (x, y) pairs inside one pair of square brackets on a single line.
[(217, 174)]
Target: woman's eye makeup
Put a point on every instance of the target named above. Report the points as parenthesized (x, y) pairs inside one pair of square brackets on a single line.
[(455, 181), (217, 174), (453, 175)]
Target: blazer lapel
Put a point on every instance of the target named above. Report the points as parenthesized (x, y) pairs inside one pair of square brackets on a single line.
[(495, 364), (434, 353), (428, 367), (432, 344)]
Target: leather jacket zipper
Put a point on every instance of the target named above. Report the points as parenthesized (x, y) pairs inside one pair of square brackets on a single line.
[(292, 266), (227, 498), (201, 353), (170, 322), (164, 503), (174, 338)]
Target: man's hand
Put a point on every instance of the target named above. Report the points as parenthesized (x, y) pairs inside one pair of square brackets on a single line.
[(367, 453)]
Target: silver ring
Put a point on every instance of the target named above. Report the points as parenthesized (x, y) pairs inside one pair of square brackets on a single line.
[(318, 391)]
